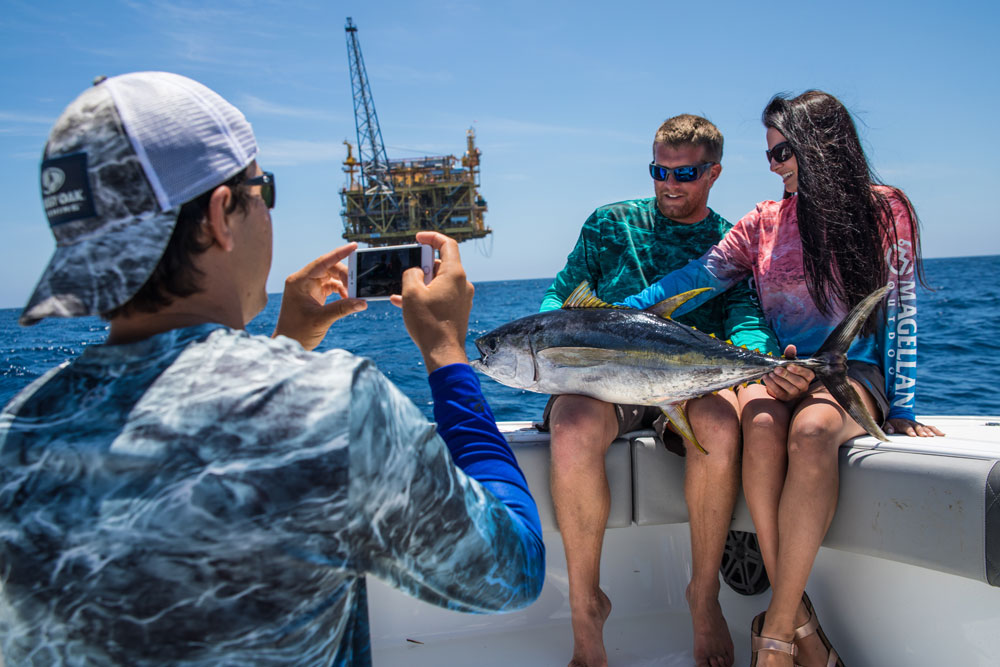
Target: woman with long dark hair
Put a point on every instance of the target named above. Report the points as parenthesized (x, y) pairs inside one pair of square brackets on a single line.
[(837, 235)]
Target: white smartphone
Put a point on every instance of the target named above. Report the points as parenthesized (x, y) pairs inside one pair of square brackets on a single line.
[(377, 273)]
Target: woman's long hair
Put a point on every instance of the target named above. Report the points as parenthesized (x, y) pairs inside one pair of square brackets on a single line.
[(845, 224)]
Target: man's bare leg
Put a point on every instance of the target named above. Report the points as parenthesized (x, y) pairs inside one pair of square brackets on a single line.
[(582, 430), (711, 484)]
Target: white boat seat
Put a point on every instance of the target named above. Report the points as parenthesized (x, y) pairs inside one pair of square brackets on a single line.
[(931, 502), (531, 447)]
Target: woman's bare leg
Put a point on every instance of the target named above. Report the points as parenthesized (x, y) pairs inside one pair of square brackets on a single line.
[(808, 501), (765, 459)]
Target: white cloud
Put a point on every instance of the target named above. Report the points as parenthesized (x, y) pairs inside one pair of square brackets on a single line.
[(252, 105), (522, 127), (286, 152), (14, 117), (394, 73)]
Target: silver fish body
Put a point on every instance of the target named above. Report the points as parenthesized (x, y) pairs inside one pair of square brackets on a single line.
[(618, 356), (638, 357)]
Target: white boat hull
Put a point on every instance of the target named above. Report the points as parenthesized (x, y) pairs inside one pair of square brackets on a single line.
[(877, 610)]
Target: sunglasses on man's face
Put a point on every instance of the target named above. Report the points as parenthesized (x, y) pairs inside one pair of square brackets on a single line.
[(779, 153), (268, 191), (685, 174)]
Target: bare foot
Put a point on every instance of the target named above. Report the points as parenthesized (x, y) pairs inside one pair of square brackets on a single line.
[(588, 633), (713, 646)]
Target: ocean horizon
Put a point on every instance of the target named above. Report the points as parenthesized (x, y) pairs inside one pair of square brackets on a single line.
[(956, 324)]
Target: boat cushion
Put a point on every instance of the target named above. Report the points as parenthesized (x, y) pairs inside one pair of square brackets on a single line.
[(993, 525), (931, 502)]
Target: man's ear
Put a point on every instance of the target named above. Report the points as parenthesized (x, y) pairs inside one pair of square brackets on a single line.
[(714, 171), (218, 223)]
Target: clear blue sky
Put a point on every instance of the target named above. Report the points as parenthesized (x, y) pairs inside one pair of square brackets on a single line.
[(564, 96)]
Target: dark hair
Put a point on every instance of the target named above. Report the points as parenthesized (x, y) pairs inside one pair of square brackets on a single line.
[(688, 129), (176, 275), (844, 222)]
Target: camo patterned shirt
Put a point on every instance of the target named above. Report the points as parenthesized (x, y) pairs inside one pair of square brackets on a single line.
[(766, 244), (625, 247), (208, 497)]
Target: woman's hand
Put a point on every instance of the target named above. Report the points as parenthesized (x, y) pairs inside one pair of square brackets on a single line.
[(911, 428), (788, 382)]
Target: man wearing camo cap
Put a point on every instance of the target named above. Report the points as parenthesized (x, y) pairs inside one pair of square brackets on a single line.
[(188, 493)]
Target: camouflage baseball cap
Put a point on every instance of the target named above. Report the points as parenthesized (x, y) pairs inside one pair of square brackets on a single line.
[(119, 163)]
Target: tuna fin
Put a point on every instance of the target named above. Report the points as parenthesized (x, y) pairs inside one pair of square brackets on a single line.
[(843, 335), (847, 396), (675, 413), (666, 307), (583, 297), (833, 355), (579, 357)]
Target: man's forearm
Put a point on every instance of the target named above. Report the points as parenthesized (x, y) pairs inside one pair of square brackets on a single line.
[(466, 424)]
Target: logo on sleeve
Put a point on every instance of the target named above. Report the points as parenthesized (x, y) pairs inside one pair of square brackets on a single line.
[(66, 192)]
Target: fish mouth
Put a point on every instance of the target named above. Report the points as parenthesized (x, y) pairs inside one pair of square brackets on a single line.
[(480, 363)]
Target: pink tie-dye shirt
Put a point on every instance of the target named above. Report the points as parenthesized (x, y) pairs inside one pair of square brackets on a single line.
[(766, 245)]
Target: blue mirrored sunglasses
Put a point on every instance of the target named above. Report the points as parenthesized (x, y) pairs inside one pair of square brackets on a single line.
[(268, 190), (685, 174)]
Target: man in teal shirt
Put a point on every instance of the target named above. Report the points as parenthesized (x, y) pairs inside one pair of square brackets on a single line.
[(623, 248)]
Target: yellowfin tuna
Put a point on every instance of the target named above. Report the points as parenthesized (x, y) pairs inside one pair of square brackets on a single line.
[(642, 357)]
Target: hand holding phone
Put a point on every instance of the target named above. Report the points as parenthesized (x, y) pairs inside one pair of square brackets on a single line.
[(436, 314), (377, 273), (305, 313)]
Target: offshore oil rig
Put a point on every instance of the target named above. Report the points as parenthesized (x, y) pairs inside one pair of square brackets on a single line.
[(386, 202)]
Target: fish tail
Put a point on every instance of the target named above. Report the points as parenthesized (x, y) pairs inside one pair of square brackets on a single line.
[(832, 371)]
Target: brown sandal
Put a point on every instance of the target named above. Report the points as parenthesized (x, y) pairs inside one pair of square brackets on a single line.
[(759, 643), (811, 626)]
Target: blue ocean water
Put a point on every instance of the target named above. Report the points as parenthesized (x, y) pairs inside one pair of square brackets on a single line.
[(957, 353)]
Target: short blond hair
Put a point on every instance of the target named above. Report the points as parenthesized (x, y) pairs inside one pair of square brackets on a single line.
[(688, 129)]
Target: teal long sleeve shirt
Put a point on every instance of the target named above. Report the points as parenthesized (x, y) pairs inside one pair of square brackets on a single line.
[(627, 246)]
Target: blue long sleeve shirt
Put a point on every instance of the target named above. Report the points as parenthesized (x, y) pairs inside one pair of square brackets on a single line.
[(208, 497)]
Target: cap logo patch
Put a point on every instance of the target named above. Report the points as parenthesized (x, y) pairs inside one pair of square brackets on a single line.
[(66, 192), (52, 179)]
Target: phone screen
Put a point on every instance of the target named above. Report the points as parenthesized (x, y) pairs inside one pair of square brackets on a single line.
[(380, 270)]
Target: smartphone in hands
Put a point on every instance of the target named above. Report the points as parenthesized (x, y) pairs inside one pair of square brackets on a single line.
[(377, 273)]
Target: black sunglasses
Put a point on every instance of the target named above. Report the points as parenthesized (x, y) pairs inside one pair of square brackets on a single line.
[(779, 153), (685, 174), (268, 191)]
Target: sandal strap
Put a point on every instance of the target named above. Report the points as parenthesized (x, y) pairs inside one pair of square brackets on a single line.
[(811, 626), (761, 643), (807, 628)]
